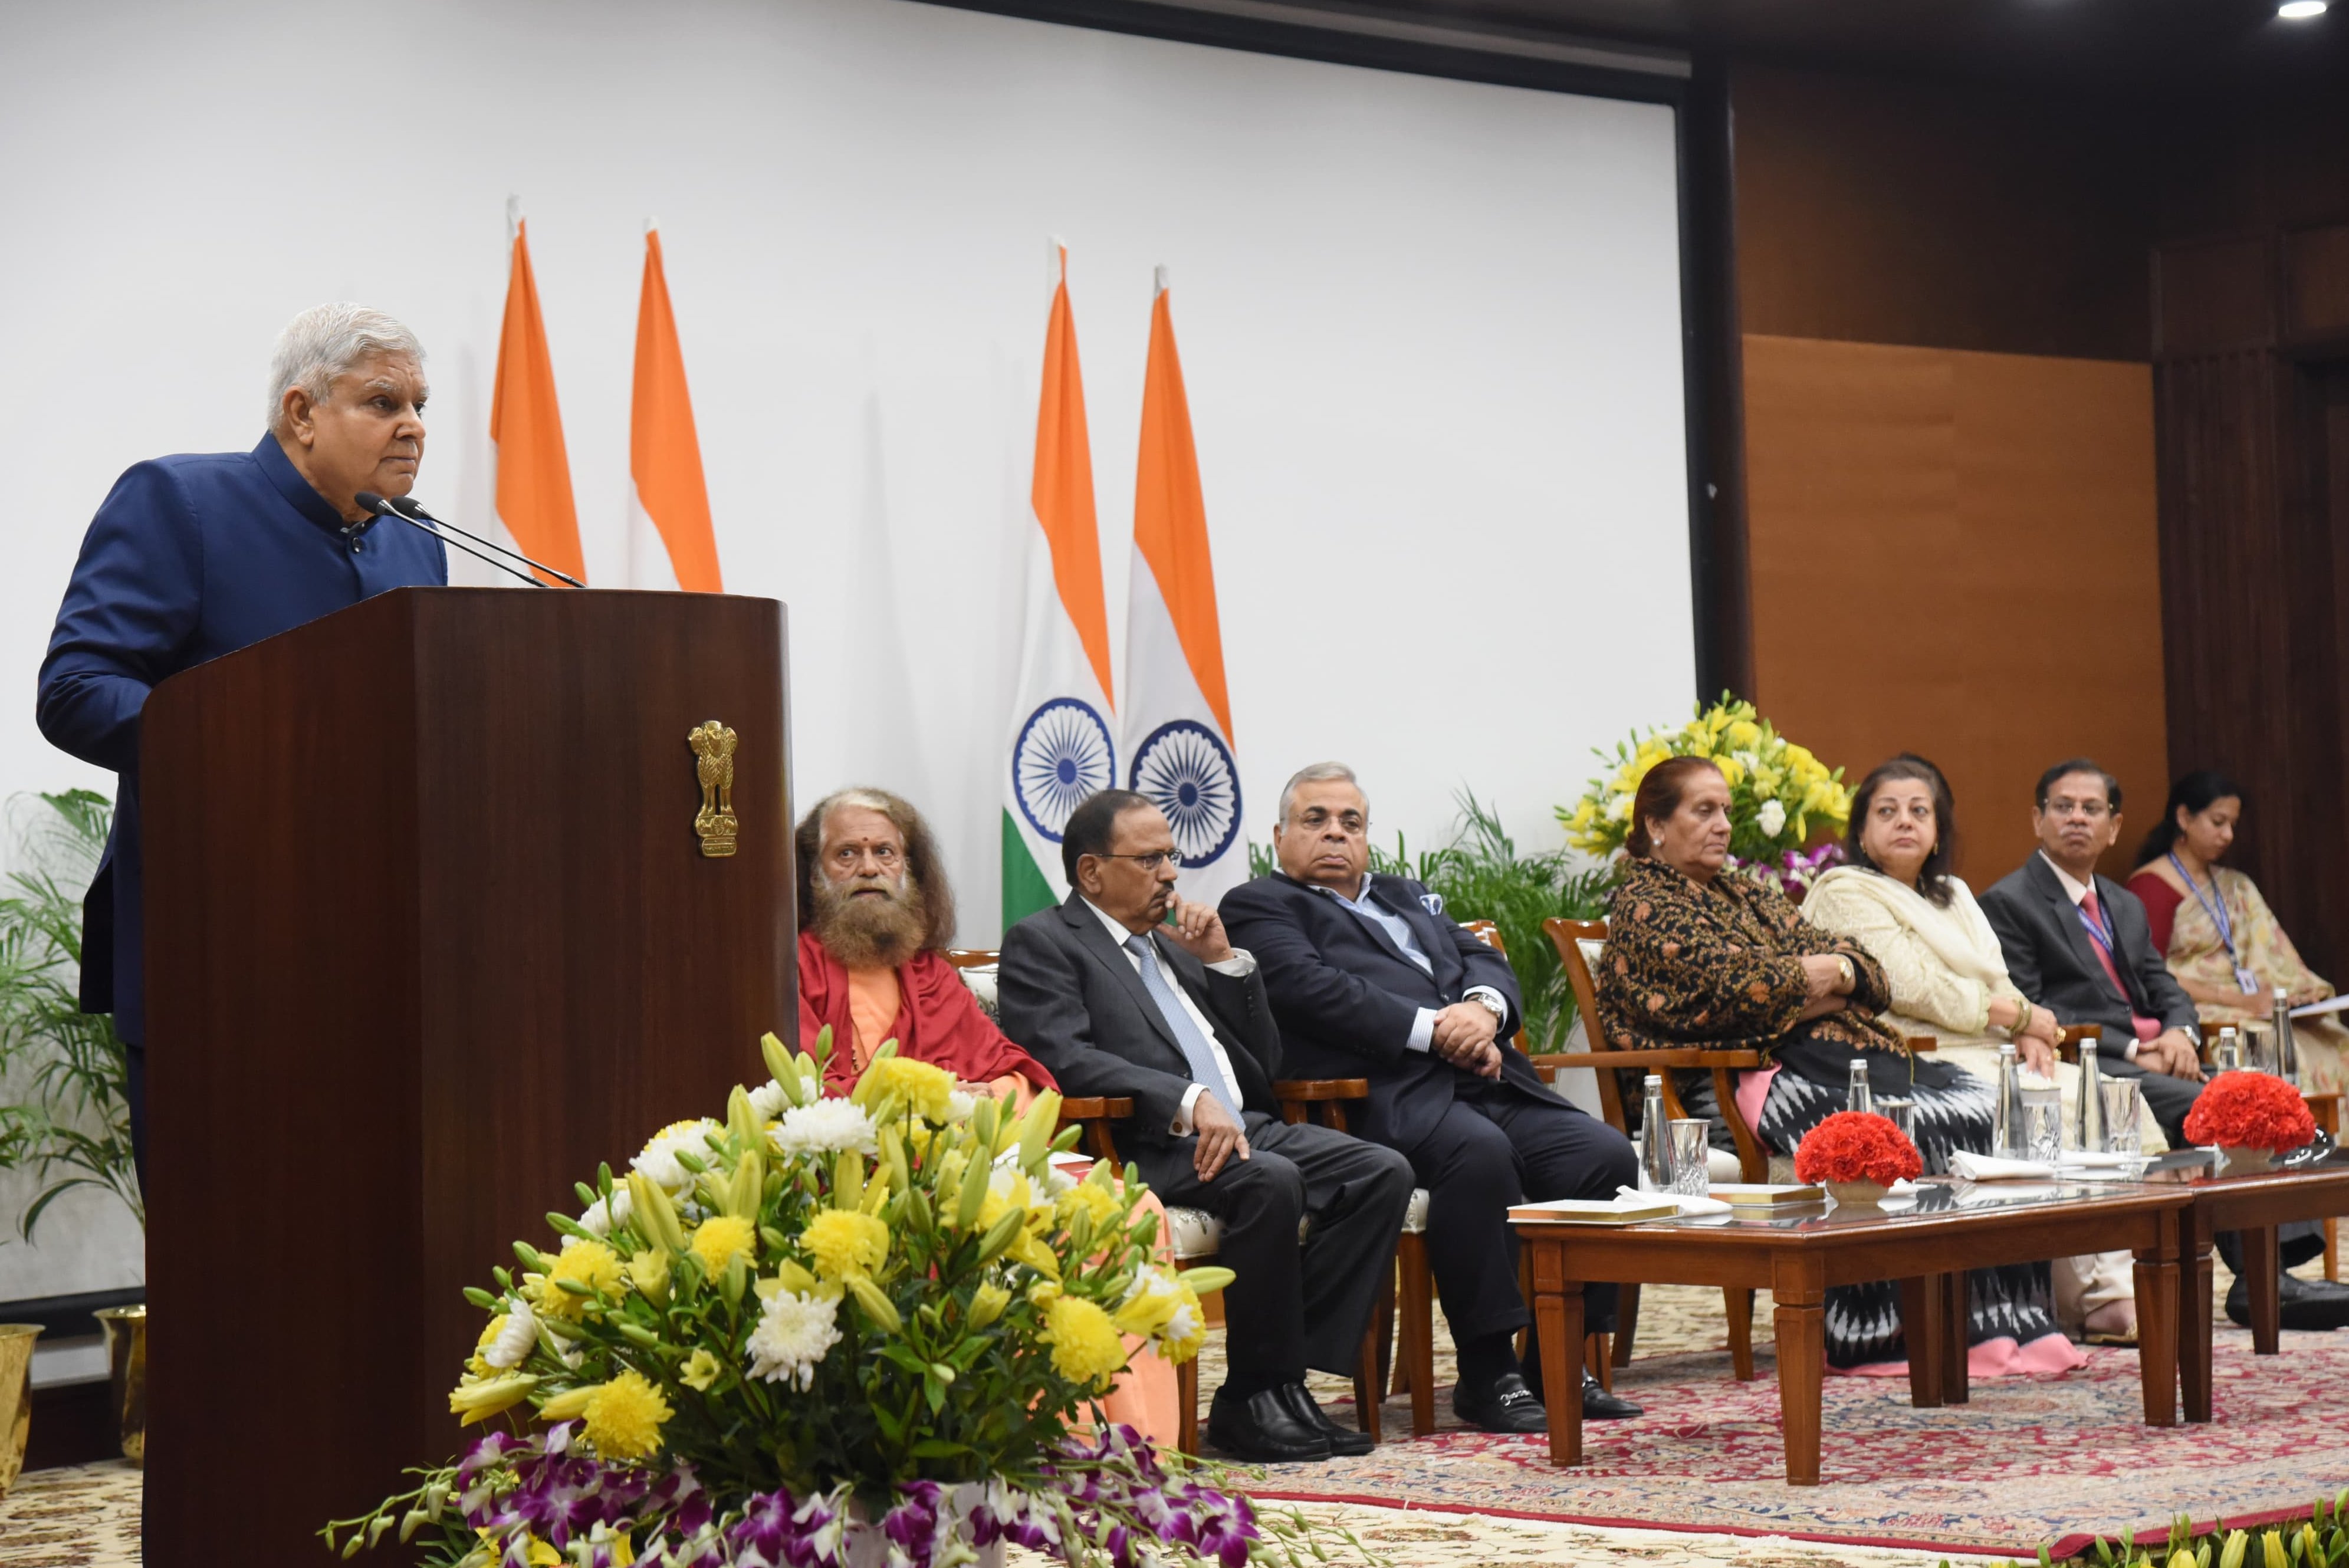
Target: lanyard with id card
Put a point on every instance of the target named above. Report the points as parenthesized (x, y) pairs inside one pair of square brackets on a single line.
[(2214, 906)]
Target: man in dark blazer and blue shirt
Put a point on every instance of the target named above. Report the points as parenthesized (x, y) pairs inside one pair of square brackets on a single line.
[(192, 557), (1370, 979), (2079, 944), (1126, 990)]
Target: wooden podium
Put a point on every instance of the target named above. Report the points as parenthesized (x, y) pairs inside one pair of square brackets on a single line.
[(430, 933)]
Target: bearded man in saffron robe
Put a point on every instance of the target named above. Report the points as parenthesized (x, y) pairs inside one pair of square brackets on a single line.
[(875, 917)]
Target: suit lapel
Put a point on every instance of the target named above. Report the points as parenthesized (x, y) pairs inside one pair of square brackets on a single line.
[(1095, 937), (1434, 939)]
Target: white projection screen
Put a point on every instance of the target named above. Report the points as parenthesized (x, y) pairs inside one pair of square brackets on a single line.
[(1432, 331)]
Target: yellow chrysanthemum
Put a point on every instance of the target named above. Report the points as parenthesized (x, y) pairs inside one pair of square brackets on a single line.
[(1744, 733), (700, 1372), (845, 1244), (1098, 1204), (626, 1416), (722, 1238), (919, 1086), (588, 1263), (1086, 1348)]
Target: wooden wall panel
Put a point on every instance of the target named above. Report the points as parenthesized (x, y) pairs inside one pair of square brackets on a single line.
[(1954, 553), (1882, 211)]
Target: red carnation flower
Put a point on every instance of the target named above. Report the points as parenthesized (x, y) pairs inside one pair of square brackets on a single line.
[(2250, 1110), (1858, 1146)]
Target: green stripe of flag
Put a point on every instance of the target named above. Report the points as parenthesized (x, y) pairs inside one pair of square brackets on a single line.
[(1025, 890)]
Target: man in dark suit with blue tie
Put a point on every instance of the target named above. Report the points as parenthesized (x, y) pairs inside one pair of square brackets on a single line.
[(1128, 991), (195, 556), (1370, 978)]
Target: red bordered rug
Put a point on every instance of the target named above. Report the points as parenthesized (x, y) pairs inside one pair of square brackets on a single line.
[(2053, 1461)]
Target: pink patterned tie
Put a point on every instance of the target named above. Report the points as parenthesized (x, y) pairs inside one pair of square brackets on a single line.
[(2146, 1028)]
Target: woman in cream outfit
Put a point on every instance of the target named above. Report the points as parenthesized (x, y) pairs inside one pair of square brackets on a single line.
[(1898, 899)]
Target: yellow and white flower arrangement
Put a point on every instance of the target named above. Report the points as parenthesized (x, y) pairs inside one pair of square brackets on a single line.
[(1780, 795), (890, 1307)]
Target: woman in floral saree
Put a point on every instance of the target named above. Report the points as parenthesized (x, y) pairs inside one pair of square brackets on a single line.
[(2222, 941)]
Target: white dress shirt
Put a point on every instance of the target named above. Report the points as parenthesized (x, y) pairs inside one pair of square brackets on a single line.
[(1239, 966), (1422, 1025), (2077, 892)]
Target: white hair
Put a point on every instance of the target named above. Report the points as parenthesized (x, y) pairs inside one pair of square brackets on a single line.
[(1318, 773), (326, 341)]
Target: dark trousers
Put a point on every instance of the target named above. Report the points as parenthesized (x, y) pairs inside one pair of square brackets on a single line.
[(1494, 1146), (2168, 1100), (1291, 1306)]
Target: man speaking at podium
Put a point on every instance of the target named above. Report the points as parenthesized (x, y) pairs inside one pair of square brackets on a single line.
[(194, 556)]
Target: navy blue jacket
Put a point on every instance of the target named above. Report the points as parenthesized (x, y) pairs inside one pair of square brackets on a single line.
[(1344, 995), (191, 557)]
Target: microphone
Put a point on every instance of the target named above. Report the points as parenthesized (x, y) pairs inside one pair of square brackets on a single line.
[(407, 510), (382, 508)]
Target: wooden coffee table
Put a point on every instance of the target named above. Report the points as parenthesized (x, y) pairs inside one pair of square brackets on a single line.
[(1927, 1247), (2253, 1205)]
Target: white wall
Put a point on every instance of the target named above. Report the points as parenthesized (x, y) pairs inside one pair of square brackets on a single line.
[(1431, 330)]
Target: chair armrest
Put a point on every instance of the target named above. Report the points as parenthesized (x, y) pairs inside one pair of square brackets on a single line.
[(1678, 1056), (1309, 1089), (1095, 1107)]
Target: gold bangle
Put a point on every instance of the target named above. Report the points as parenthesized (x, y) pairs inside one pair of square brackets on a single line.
[(2021, 1019)]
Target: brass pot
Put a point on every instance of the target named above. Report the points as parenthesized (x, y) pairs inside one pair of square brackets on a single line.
[(15, 1398), (126, 1364)]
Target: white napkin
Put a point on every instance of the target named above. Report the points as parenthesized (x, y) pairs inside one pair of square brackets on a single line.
[(1968, 1166), (1632, 1197)]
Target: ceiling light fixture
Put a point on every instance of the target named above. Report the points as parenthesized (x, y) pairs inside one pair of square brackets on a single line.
[(2301, 10)]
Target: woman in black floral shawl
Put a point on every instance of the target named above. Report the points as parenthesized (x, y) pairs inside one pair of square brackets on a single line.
[(1694, 957)]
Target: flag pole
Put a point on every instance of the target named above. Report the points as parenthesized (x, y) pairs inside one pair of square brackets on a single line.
[(1158, 281)]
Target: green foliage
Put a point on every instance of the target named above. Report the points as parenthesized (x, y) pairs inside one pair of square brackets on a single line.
[(2320, 1540), (1480, 875), (70, 1122)]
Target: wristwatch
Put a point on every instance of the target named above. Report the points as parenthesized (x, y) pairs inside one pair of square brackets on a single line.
[(1500, 1012)]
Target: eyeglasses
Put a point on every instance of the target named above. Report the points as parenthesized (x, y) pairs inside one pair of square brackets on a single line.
[(1150, 862), (1349, 822)]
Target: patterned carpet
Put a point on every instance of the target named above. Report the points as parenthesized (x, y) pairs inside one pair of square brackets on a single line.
[(2027, 1462), (2051, 1460)]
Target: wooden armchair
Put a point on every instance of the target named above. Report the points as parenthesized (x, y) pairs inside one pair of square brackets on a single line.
[(1194, 1236)]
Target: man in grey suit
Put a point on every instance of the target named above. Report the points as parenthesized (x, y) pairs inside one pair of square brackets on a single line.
[(2079, 944), (1126, 990)]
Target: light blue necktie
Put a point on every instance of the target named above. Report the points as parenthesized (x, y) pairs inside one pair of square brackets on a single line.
[(1195, 1049)]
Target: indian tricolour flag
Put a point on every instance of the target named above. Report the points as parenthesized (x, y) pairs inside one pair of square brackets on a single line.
[(1062, 746), (1178, 712)]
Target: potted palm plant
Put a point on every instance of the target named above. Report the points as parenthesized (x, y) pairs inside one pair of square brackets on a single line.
[(64, 1108)]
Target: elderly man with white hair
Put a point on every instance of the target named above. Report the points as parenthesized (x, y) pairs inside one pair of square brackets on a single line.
[(193, 556)]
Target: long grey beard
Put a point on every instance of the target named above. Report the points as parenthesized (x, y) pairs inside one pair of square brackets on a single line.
[(870, 932)]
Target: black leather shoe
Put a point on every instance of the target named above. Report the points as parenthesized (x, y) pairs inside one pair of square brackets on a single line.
[(1344, 1442), (1263, 1430), (2303, 1305), (1507, 1407), (1598, 1404)]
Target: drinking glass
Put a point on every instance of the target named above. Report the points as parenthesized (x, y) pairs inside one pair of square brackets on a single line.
[(1691, 1144), (2123, 1107), (1901, 1113), (2043, 1124), (2259, 1047)]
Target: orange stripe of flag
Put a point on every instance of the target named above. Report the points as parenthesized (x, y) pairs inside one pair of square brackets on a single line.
[(1170, 516), (533, 470), (664, 453), (1062, 490)]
